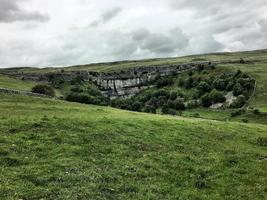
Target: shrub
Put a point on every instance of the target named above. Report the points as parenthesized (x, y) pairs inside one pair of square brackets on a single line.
[(192, 104), (238, 89), (144, 97), (206, 100), (179, 104), (239, 102), (161, 92), (171, 104), (203, 87), (150, 109), (173, 95), (162, 100), (137, 106), (162, 82), (153, 102), (230, 86), (79, 97), (219, 84), (77, 88), (181, 82), (165, 109), (188, 84), (217, 97), (172, 112), (44, 89)]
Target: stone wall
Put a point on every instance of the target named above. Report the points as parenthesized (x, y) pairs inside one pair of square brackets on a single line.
[(21, 92)]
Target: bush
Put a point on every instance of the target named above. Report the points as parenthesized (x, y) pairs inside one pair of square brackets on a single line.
[(173, 95), (161, 92), (44, 89), (238, 89), (162, 82), (172, 112), (206, 100), (179, 104), (181, 82), (137, 106), (219, 84), (153, 102), (165, 109), (145, 97), (162, 100), (149, 109), (239, 102), (77, 88), (203, 87), (188, 84), (230, 86), (79, 97), (217, 97), (192, 104)]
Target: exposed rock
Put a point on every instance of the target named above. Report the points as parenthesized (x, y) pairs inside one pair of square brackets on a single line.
[(216, 106), (230, 98)]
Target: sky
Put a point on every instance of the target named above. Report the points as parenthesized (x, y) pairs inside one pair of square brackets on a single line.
[(56, 33)]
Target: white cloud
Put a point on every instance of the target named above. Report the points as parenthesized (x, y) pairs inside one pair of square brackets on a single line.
[(81, 31)]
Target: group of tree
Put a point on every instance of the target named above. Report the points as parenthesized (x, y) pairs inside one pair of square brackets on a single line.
[(171, 94)]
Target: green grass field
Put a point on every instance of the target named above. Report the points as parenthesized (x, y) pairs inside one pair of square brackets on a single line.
[(52, 149), (57, 150)]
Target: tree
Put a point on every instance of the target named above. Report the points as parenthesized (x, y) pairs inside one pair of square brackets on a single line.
[(44, 89), (238, 89), (206, 100), (203, 87), (173, 95), (217, 97), (179, 104), (239, 102), (219, 84), (149, 109), (189, 83)]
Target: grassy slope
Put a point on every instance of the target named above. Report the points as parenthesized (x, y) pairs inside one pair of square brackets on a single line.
[(7, 82), (57, 150), (115, 66)]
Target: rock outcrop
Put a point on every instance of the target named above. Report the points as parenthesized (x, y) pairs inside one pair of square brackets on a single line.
[(125, 83)]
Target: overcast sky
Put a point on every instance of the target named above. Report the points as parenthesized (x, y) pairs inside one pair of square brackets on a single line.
[(70, 32)]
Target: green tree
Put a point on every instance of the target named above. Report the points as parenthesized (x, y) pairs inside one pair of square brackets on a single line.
[(44, 89)]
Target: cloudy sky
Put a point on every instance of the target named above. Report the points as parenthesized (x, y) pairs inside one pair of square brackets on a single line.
[(68, 32)]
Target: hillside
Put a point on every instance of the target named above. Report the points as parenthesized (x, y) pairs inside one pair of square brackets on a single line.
[(57, 150), (54, 149)]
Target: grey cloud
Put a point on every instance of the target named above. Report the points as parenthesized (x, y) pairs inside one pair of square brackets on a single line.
[(110, 14), (11, 12), (160, 43), (140, 34), (107, 16), (263, 25)]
